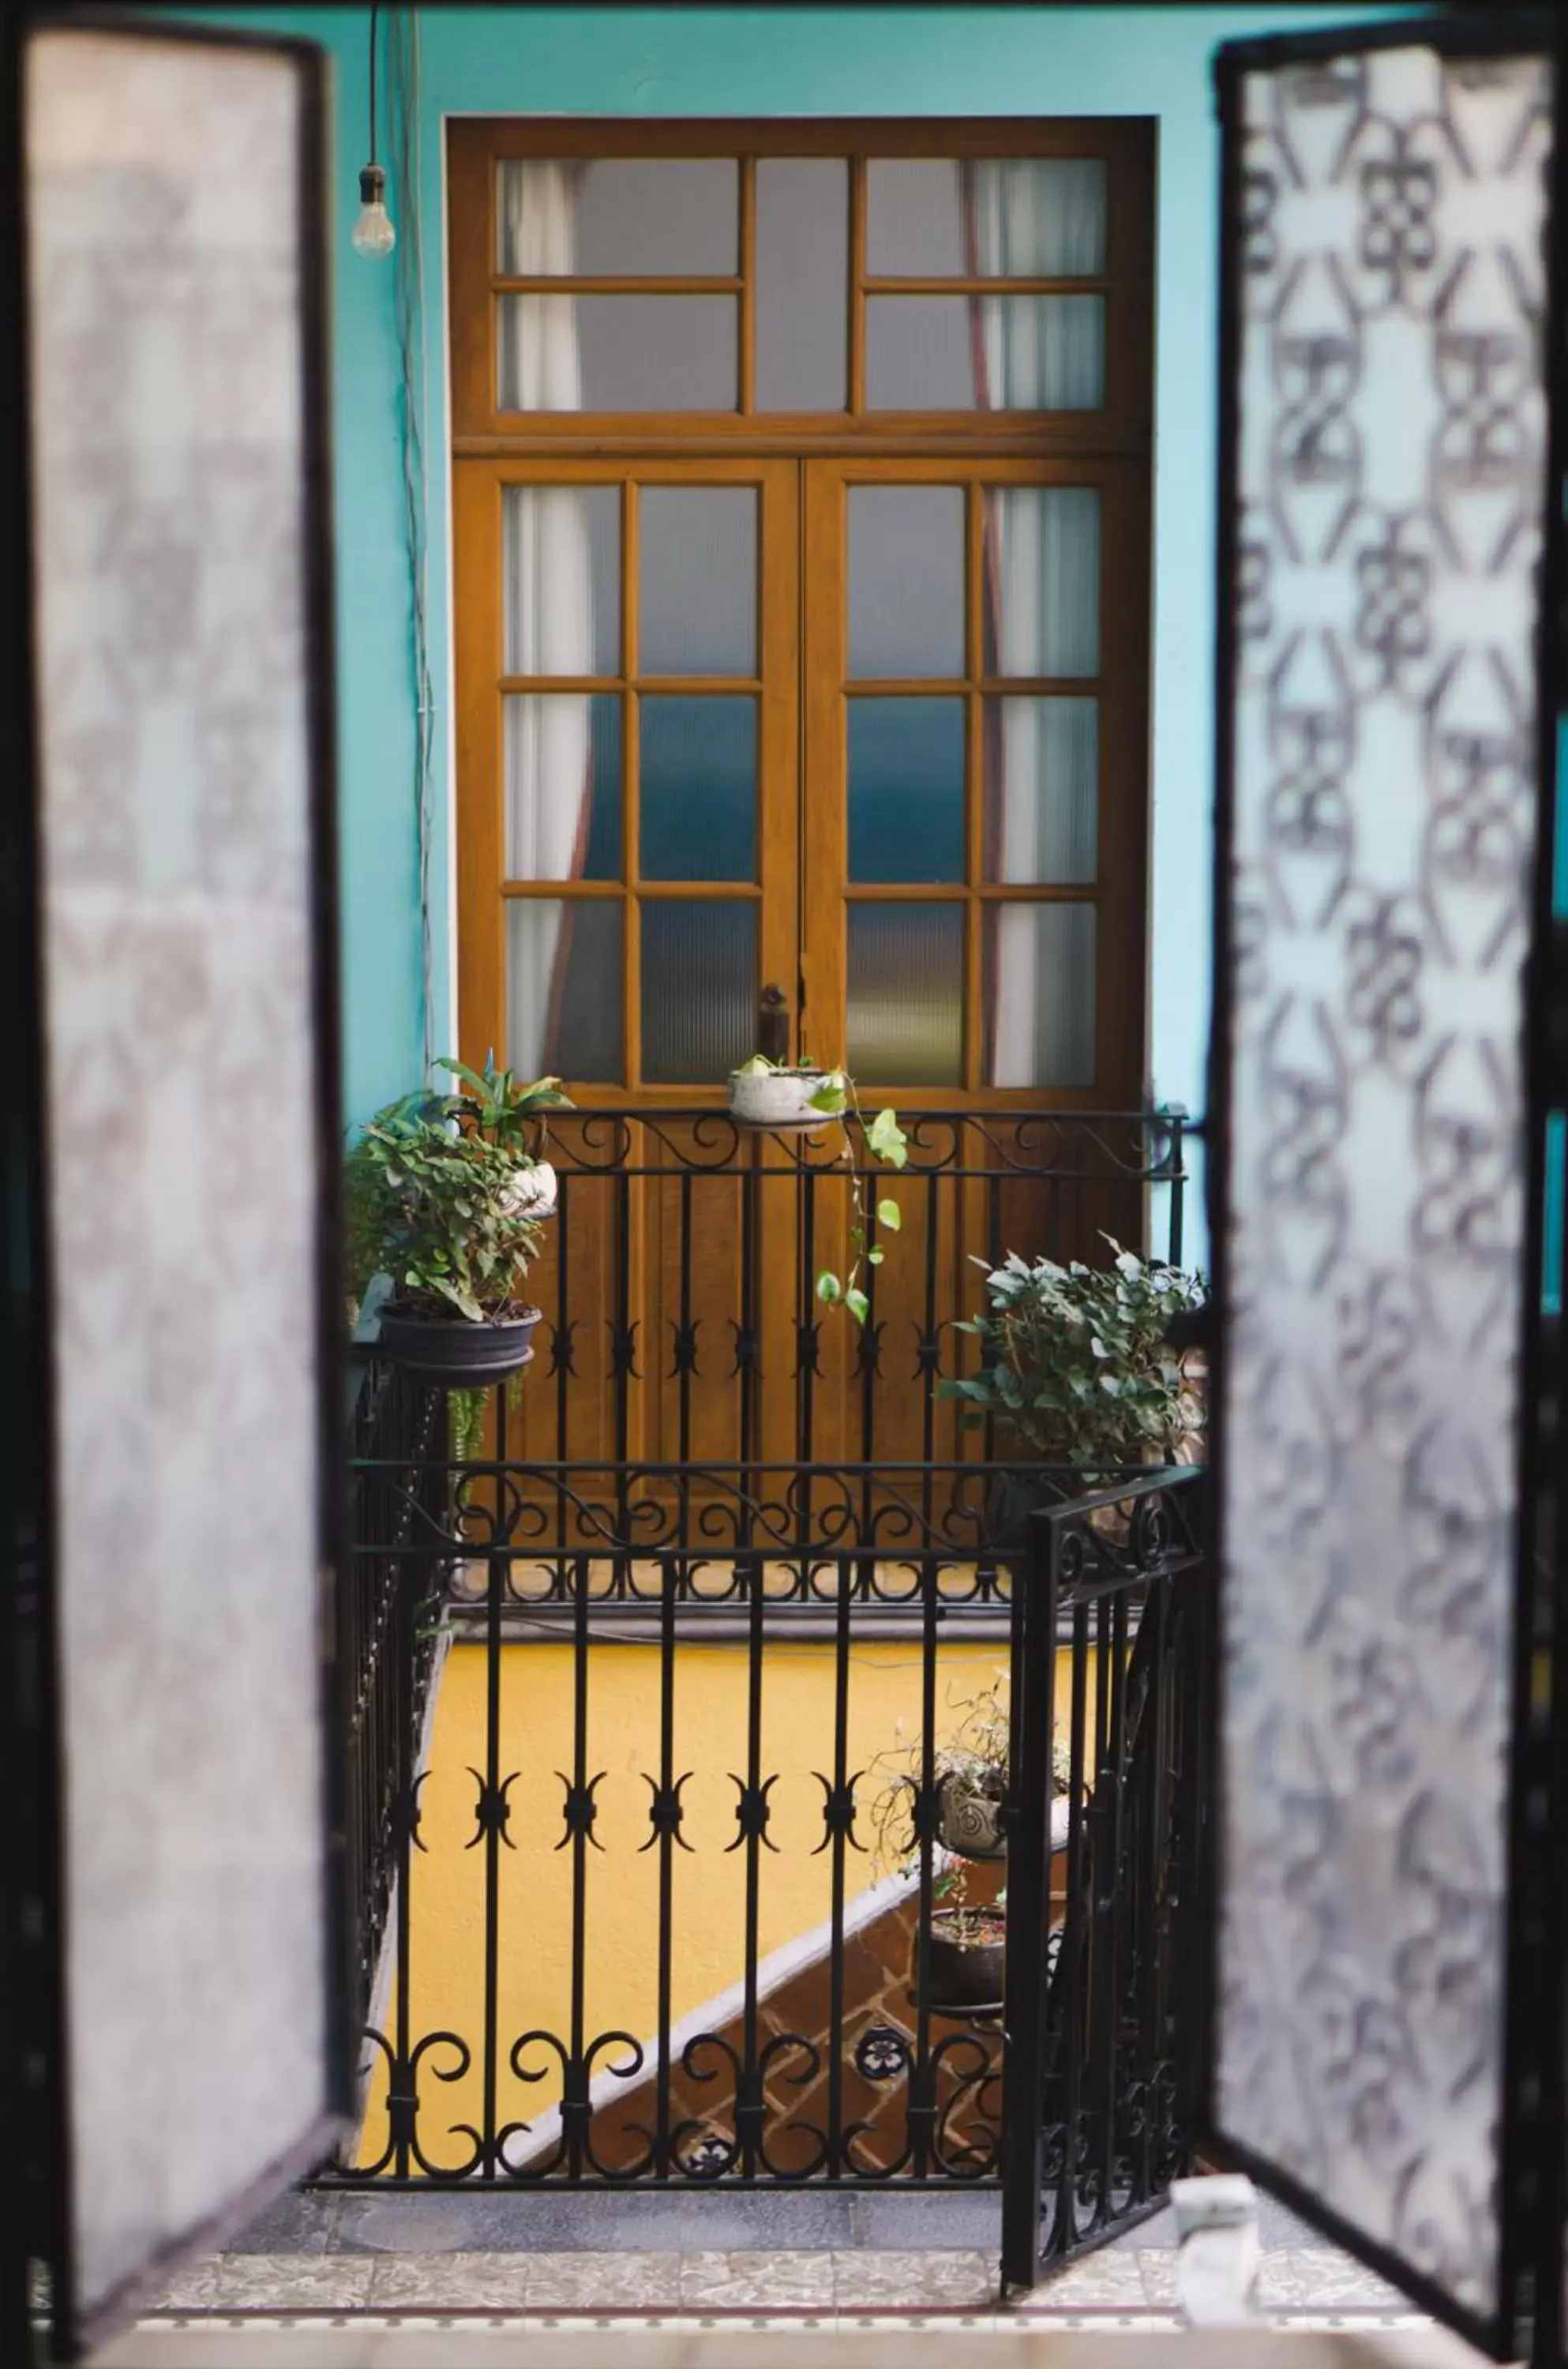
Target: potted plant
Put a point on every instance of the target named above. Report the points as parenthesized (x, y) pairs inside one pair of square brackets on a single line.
[(1080, 1369), (805, 1096), (969, 1774), (776, 1093), (446, 1195)]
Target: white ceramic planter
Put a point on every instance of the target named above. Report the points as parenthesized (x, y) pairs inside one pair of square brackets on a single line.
[(533, 1194), (775, 1098)]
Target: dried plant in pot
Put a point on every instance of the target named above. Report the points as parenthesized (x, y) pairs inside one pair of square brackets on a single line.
[(446, 1195), (969, 1779), (1080, 1369)]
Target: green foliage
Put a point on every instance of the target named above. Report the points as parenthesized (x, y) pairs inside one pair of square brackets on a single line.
[(1078, 1364), (886, 1140), (437, 1195)]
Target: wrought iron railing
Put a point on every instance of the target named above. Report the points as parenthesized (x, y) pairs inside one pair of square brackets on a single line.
[(387, 1634), (689, 1387), (543, 1826)]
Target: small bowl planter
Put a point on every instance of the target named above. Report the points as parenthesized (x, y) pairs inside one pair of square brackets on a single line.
[(457, 1354), (967, 1960), (968, 1820), (775, 1098)]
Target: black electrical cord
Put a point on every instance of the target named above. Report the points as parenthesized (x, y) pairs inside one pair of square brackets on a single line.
[(375, 13)]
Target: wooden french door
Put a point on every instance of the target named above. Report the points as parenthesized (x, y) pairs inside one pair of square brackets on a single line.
[(865, 732)]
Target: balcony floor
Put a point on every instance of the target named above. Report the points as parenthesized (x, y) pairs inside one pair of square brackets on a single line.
[(724, 2258)]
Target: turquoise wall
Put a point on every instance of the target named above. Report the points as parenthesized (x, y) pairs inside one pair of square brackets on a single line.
[(759, 60)]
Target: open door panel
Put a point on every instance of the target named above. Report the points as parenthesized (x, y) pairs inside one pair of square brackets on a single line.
[(1386, 2039), (172, 1931)]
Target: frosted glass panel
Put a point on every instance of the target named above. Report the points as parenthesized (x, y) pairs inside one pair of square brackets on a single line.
[(1041, 580), (561, 579), (906, 789), (1041, 789), (906, 569), (182, 695), (698, 989), (1386, 800), (1035, 218), (905, 994), (801, 283), (664, 214), (1039, 990), (698, 789), (615, 353), (697, 609), (562, 755), (564, 993), (985, 353)]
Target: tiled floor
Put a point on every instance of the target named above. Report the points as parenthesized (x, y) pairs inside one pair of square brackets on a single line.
[(1118, 2284), (802, 2257)]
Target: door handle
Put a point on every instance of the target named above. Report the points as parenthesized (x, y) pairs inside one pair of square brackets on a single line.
[(773, 1023)]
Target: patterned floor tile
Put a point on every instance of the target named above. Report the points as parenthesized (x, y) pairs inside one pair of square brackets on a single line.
[(604, 2282), (275, 2283), (1318, 2279), (1108, 2279), (447, 2282), (196, 2289), (862, 2280), (744, 2281)]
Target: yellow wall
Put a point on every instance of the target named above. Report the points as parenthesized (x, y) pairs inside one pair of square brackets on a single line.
[(622, 1890)]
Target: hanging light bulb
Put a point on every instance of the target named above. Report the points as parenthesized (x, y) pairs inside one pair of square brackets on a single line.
[(372, 233)]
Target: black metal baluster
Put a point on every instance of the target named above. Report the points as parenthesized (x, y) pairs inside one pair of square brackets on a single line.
[(625, 1357), (493, 1805), (1032, 1661), (561, 1352), (1111, 1895), (575, 2100), (402, 2098), (749, 1365), (1176, 1164), (667, 1827), (1076, 1940), (841, 1825), (806, 1337), (748, 2104), (922, 2074)]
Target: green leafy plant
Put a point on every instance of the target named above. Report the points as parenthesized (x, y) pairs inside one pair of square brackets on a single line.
[(442, 1196), (1077, 1364), (836, 1099)]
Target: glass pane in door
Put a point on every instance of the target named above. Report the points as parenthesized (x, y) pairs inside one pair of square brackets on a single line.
[(906, 789), (564, 1005), (906, 580), (698, 788), (699, 982), (1018, 217), (697, 602), (905, 994)]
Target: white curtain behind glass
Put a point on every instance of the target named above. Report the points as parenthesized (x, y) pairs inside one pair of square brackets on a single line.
[(1043, 570), (548, 608)]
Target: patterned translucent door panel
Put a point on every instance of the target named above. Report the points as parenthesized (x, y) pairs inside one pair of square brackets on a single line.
[(1383, 525), (182, 715)]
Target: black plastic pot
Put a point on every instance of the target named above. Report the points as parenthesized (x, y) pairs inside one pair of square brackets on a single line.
[(966, 1974), (452, 1351), (1013, 1497)]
